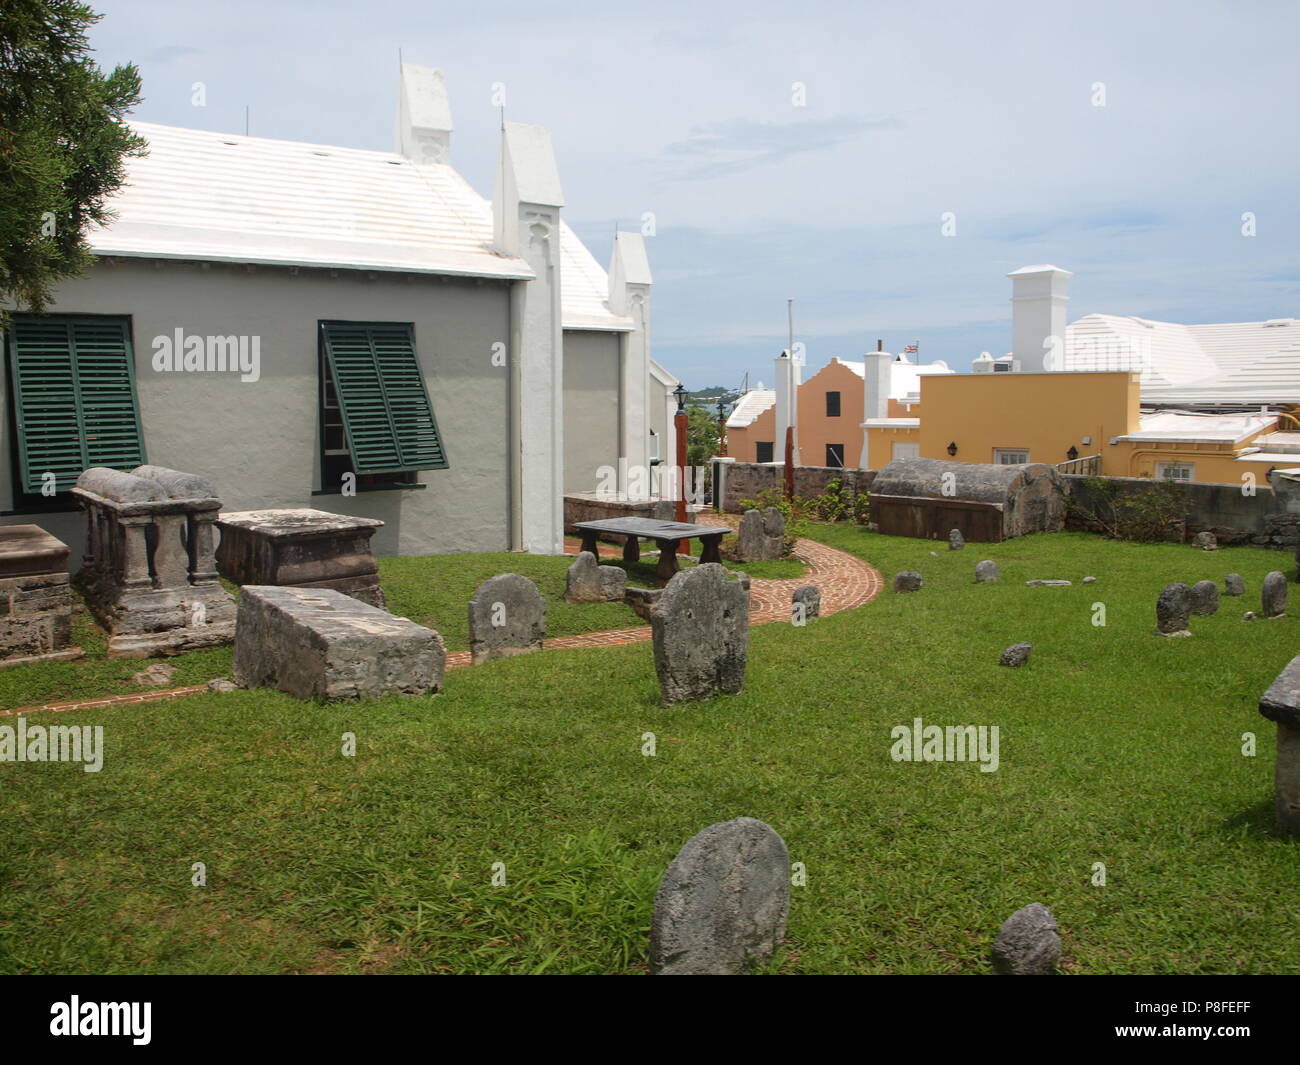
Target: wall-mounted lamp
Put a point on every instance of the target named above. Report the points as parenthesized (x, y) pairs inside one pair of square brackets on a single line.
[(1073, 453), (952, 448)]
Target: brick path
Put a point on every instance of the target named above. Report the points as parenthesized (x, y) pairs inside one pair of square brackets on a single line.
[(844, 580)]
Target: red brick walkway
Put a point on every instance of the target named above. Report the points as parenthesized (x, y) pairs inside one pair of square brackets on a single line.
[(844, 580)]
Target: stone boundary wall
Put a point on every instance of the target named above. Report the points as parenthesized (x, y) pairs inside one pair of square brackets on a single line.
[(1267, 518), (744, 480)]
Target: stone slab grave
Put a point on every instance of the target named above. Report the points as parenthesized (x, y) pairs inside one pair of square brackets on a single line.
[(956, 541), (805, 603), (1205, 598), (301, 548), (149, 573), (987, 571), (1281, 703), (1273, 595), (723, 903), (320, 643), (587, 581), (761, 536), (700, 629), (1234, 584), (907, 581), (35, 597), (507, 616)]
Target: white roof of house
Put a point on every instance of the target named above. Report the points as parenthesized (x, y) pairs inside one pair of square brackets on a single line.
[(1186, 427), (750, 406), (904, 376), (226, 198), (1231, 362)]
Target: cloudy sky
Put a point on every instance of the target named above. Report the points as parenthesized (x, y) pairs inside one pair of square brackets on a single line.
[(812, 151)]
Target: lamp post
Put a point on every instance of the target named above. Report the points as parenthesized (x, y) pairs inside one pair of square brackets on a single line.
[(679, 423), (722, 428)]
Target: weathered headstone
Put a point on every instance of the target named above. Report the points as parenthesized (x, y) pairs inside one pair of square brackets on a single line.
[(321, 643), (987, 571), (1016, 655), (590, 582), (809, 597), (642, 600), (955, 540), (1281, 703), (761, 536), (1048, 584), (507, 616), (723, 903), (907, 581), (1206, 541), (1028, 943), (1205, 597), (1234, 585), (1173, 606), (700, 628), (1273, 595)]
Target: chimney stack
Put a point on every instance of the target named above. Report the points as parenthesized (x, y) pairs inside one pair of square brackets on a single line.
[(1038, 306), (423, 131), (787, 404), (875, 384)]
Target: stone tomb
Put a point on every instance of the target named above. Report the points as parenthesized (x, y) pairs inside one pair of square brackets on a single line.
[(320, 643), (301, 548), (1281, 703), (149, 574), (35, 600)]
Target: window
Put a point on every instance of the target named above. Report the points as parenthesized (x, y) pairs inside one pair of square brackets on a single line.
[(376, 418), (764, 451), (906, 449), (72, 379), (835, 455), (1010, 456), (1175, 471), (832, 404)]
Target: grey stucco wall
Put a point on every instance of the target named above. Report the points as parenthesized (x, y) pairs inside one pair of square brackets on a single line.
[(744, 480), (259, 441), (590, 407)]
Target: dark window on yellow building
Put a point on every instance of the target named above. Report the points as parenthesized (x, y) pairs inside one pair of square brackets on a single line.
[(835, 455), (764, 451), (832, 404)]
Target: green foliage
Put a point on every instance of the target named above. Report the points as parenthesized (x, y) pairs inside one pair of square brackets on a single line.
[(702, 441), (833, 505), (62, 144), (1157, 511)]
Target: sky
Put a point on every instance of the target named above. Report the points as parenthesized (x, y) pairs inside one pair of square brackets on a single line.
[(884, 165)]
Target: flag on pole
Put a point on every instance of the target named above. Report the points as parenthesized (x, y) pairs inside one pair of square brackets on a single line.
[(911, 349)]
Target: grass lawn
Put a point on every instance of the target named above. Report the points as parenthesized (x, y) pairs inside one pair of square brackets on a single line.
[(1117, 746)]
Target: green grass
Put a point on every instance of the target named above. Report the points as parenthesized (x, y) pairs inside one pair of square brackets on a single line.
[(1117, 746)]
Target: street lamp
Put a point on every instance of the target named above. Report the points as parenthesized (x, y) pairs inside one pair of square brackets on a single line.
[(722, 427), (679, 425), (680, 393)]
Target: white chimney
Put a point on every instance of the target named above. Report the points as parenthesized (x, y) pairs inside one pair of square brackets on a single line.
[(1038, 305), (876, 381), (787, 405), (423, 131)]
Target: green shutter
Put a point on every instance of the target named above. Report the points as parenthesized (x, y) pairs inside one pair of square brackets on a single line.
[(386, 410), (74, 397)]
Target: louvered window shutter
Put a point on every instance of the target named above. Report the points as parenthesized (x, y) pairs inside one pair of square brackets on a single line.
[(74, 397), (385, 406)]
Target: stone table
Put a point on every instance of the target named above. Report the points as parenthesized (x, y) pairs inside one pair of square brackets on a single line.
[(35, 601), (666, 535), (301, 548)]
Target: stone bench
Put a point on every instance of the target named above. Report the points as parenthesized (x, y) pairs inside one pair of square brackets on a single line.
[(35, 599), (321, 643)]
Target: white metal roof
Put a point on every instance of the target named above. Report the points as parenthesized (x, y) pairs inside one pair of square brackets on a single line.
[(1186, 427), (1230, 362), (904, 376), (227, 198)]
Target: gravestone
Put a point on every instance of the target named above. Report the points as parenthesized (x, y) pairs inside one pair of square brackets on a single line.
[(1173, 606), (1234, 585), (810, 597), (1048, 584), (1281, 703), (321, 643), (35, 599), (507, 616), (1206, 541), (1016, 655), (723, 903), (1028, 943), (1273, 595), (589, 582), (987, 571), (700, 628), (761, 537), (955, 540), (1205, 597), (907, 581)]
